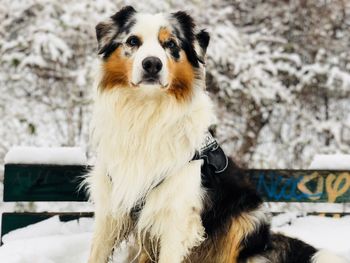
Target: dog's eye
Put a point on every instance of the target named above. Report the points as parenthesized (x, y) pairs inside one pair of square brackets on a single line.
[(170, 44), (133, 41)]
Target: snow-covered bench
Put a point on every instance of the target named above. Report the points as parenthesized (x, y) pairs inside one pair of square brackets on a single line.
[(33, 175), (42, 175)]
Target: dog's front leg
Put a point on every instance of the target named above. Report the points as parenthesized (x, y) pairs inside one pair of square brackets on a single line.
[(173, 212), (109, 229), (180, 237), (106, 235)]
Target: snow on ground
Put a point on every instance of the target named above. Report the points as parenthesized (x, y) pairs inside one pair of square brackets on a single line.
[(331, 162), (52, 241), (322, 232), (46, 155), (49, 241)]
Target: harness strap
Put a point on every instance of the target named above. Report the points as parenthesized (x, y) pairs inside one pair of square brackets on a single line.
[(135, 211)]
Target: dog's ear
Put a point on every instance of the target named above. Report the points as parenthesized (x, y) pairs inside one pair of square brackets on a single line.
[(199, 41), (186, 23), (203, 41), (107, 31)]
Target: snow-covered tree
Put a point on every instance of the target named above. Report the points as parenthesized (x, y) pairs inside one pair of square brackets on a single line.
[(278, 71)]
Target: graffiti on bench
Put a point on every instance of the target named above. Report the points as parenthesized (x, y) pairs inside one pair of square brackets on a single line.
[(308, 186)]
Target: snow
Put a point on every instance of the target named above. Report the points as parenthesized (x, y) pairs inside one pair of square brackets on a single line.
[(282, 93), (321, 232), (331, 162), (52, 241), (46, 155), (49, 241)]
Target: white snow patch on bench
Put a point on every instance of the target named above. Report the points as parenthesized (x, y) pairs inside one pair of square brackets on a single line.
[(46, 155), (331, 162)]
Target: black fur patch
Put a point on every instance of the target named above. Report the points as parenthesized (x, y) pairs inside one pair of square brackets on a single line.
[(187, 24), (186, 41), (175, 53), (107, 50), (122, 23), (122, 16), (288, 250), (228, 195), (203, 39), (256, 242)]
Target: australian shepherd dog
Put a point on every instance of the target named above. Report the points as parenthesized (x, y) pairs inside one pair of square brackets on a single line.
[(160, 177)]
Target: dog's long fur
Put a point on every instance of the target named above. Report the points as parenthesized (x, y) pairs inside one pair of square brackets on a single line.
[(146, 130)]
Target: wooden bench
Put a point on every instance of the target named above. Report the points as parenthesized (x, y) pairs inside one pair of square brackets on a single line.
[(42, 182)]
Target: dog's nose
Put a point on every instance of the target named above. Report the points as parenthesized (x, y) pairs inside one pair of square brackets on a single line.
[(152, 65)]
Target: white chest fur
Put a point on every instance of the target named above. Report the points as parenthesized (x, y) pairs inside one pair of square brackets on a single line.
[(143, 137)]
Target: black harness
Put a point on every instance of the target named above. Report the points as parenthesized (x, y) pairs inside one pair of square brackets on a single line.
[(212, 155), (214, 159)]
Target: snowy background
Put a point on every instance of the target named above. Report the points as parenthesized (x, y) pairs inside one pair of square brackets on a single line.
[(278, 70)]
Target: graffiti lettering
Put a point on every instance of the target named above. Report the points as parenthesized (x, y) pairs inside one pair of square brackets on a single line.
[(312, 186), (337, 186), (302, 186)]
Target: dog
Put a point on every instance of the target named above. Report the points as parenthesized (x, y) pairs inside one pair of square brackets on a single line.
[(160, 176)]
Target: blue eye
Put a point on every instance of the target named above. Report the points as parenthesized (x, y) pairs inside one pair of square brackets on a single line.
[(133, 41), (171, 44)]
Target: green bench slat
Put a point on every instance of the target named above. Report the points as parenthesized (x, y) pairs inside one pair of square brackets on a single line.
[(12, 221), (61, 183), (41, 182)]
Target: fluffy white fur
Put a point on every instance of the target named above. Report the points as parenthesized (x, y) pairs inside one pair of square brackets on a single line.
[(174, 218), (325, 256), (143, 136)]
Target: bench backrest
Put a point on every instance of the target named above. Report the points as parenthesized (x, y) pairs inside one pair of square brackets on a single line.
[(39, 182)]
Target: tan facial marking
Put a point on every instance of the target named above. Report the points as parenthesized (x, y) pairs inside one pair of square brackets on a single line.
[(181, 78), (164, 35), (116, 71)]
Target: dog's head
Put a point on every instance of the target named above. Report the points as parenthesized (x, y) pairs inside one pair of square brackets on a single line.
[(144, 51)]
